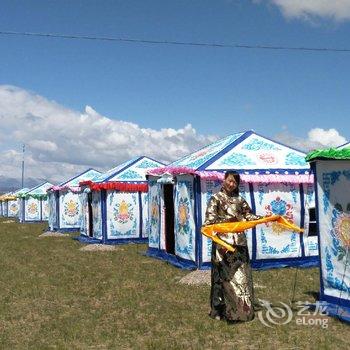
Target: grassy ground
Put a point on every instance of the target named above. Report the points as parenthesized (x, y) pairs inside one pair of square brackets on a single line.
[(54, 296)]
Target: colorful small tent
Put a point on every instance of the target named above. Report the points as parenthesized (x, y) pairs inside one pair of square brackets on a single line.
[(275, 180), (13, 202), (4, 204), (332, 184), (65, 209), (34, 206), (116, 204)]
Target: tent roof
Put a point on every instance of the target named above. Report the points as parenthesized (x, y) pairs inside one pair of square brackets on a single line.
[(89, 174), (246, 152), (330, 153), (38, 190), (133, 170)]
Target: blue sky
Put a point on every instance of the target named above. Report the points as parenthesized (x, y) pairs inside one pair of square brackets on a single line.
[(217, 90)]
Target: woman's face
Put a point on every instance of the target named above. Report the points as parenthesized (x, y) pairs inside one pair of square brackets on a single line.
[(230, 183)]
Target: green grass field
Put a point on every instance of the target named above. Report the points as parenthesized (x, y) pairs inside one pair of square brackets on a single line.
[(54, 296)]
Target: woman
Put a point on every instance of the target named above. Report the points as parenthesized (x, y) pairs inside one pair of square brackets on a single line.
[(231, 296)]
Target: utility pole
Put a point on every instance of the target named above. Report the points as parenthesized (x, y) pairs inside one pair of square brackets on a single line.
[(23, 151)]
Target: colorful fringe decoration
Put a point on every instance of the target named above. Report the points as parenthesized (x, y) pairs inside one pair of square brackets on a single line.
[(116, 185), (210, 231)]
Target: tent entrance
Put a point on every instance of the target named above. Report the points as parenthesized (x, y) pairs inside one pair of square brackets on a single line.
[(89, 203), (169, 216)]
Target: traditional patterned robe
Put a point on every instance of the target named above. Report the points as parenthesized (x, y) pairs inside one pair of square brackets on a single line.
[(231, 294)]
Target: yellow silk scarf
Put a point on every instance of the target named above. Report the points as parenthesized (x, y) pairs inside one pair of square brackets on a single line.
[(240, 226)]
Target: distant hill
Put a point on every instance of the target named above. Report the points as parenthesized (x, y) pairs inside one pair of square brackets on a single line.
[(8, 184)]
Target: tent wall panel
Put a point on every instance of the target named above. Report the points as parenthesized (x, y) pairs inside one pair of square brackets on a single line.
[(154, 214), (272, 241), (185, 228), (5, 209), (123, 215), (13, 208), (44, 209), (52, 209), (84, 226), (96, 215), (145, 217), (32, 209), (70, 210)]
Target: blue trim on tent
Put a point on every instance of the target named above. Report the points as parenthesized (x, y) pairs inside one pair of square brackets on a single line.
[(252, 199), (198, 220), (335, 300), (92, 240), (302, 218), (200, 149), (334, 310), (86, 239), (122, 169), (140, 214), (75, 177), (103, 199), (34, 221), (265, 264), (68, 230), (172, 259), (225, 150)]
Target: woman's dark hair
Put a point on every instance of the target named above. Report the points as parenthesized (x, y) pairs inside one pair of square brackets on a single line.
[(234, 174)]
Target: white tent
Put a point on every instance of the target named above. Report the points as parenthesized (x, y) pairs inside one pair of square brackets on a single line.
[(34, 206), (332, 171), (4, 204), (13, 202), (275, 180), (65, 207), (116, 204)]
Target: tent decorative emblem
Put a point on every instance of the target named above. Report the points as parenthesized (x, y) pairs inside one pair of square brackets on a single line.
[(340, 232), (183, 215), (122, 212), (268, 158), (32, 208), (13, 207), (71, 208), (154, 211), (279, 207)]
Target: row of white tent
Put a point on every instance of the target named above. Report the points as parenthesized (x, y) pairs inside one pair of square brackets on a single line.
[(167, 206), (142, 200)]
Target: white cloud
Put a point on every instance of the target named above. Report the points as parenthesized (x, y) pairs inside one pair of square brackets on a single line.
[(61, 142), (327, 138), (337, 10), (317, 138)]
